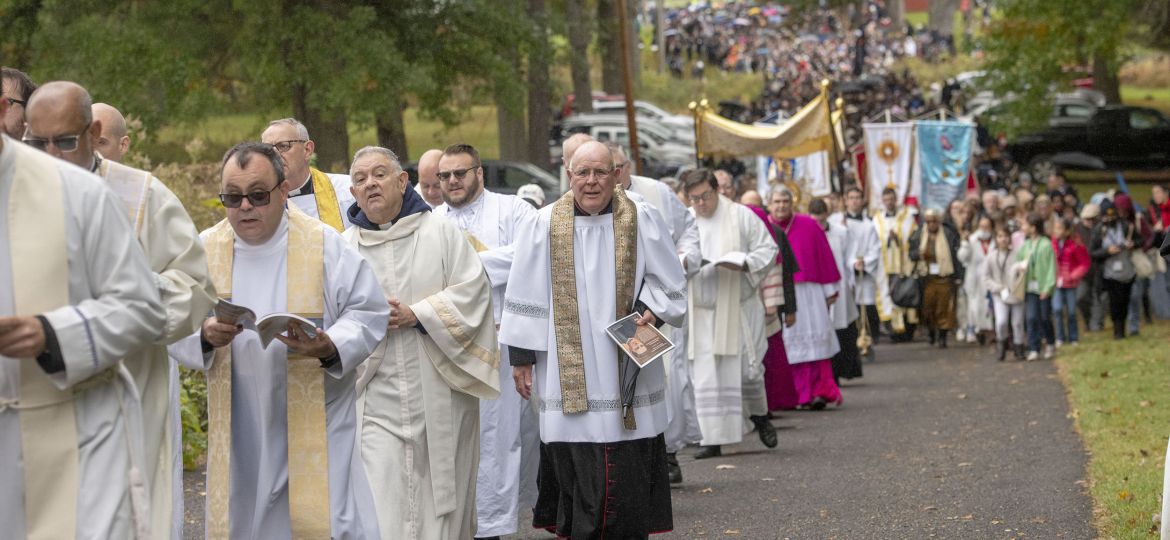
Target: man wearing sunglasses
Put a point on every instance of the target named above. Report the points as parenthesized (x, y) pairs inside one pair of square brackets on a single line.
[(61, 122), (509, 441), (18, 87), (279, 411), (324, 196), (76, 297)]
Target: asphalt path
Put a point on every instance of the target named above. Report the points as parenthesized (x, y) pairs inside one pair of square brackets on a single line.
[(929, 444)]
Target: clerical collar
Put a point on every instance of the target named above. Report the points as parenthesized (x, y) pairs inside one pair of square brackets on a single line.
[(97, 163), (857, 217), (305, 189), (577, 211)]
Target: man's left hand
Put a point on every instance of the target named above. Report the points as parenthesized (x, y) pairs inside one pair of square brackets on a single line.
[(789, 319), (300, 343), (646, 318), (401, 316), (21, 337)]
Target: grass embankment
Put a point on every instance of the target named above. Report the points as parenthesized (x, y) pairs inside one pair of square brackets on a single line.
[(1119, 393)]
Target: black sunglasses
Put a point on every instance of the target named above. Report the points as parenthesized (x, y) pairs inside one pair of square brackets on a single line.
[(256, 198)]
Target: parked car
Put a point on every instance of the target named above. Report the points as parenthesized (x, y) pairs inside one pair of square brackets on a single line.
[(507, 177), (682, 125), (1123, 137), (660, 157)]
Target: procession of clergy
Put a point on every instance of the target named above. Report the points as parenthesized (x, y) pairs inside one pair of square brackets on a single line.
[(460, 350)]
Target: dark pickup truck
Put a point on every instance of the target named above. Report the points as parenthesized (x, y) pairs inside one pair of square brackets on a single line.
[(1123, 137)]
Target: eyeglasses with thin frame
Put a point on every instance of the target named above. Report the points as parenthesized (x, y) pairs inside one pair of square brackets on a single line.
[(66, 143), (459, 174), (14, 101), (600, 174), (256, 198), (285, 146), (706, 196)]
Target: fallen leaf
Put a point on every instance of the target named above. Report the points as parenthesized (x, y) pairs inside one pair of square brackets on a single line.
[(707, 490), (724, 467), (968, 517), (962, 396), (1144, 403), (965, 464), (766, 479), (929, 508), (731, 531), (1104, 374), (1125, 495)]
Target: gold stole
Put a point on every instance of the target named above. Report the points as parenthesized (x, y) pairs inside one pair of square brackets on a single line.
[(131, 186), (328, 209), (308, 456), (942, 251), (40, 283), (566, 319)]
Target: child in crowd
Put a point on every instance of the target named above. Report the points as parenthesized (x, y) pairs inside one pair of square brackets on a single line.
[(1035, 257), (1072, 264), (999, 271)]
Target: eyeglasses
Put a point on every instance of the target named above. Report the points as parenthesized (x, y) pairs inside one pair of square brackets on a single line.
[(599, 174), (67, 143), (256, 198), (619, 166), (285, 146), (459, 174), (12, 101), (706, 196)]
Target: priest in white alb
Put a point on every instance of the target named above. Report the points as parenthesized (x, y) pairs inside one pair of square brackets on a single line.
[(682, 419), (322, 195), (421, 389), (179, 267), (76, 296), (590, 258), (509, 443), (728, 341), (282, 460)]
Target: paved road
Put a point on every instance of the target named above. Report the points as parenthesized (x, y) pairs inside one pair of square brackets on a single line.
[(929, 444)]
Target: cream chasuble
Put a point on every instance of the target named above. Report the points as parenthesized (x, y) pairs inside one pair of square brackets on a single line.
[(76, 432), (421, 391)]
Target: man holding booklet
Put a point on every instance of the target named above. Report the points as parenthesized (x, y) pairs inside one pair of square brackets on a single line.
[(281, 456), (590, 258), (727, 340)]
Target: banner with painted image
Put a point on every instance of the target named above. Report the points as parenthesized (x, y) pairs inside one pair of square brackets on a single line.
[(944, 159), (889, 153)]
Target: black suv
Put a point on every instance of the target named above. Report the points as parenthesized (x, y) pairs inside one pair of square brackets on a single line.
[(1123, 137)]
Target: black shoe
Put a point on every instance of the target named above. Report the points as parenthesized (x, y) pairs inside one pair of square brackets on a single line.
[(942, 339), (709, 452), (1021, 353), (930, 336), (765, 430), (818, 404), (1000, 350), (673, 471), (981, 338), (487, 538)]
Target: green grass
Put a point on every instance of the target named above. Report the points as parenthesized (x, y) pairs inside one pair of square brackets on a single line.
[(1158, 98), (1119, 394)]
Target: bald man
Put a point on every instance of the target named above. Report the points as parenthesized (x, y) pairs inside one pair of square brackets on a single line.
[(428, 178), (57, 116), (114, 140), (751, 197)]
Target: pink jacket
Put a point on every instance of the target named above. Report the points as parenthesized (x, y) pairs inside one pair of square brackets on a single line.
[(1072, 262)]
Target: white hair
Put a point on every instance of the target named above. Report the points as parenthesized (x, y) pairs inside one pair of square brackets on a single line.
[(365, 150), (302, 131), (781, 190)]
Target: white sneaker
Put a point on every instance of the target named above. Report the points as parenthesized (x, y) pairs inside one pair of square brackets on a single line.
[(1059, 344), (1033, 355), (960, 336), (971, 337), (1049, 352)]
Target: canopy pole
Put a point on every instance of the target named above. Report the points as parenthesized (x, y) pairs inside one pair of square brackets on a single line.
[(833, 183)]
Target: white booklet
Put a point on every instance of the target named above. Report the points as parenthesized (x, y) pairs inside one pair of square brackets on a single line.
[(643, 344), (268, 326), (734, 258)]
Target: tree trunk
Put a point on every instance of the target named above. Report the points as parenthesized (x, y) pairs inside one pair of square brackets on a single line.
[(942, 16), (609, 47), (390, 128), (580, 34), (896, 9), (510, 122), (1105, 76), (328, 129), (539, 94)]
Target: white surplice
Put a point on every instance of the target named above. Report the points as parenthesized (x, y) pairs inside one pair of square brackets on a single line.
[(972, 254), (115, 309), (509, 437), (812, 338), (421, 392), (721, 375), (175, 254), (865, 244), (308, 202), (356, 314), (844, 311), (682, 418), (529, 314)]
